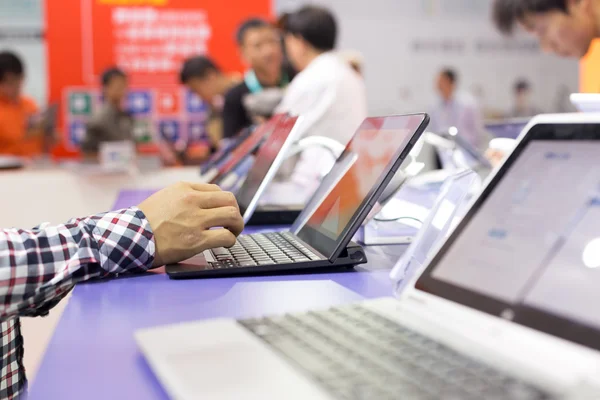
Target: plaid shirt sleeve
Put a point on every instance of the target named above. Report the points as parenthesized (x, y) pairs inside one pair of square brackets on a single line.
[(39, 267)]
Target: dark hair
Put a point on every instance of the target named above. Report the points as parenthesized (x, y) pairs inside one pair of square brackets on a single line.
[(316, 25), (450, 74), (10, 63), (506, 13), (111, 73), (521, 86), (197, 67), (252, 23)]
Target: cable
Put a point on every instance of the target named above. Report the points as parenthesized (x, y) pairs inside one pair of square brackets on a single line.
[(397, 219)]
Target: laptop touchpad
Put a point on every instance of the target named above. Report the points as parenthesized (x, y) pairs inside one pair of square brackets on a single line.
[(234, 369)]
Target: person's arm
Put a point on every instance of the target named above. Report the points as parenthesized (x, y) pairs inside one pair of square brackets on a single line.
[(477, 134), (38, 267), (91, 142), (234, 115), (35, 119)]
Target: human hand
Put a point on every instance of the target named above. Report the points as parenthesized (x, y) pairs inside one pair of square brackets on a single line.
[(495, 156), (183, 216)]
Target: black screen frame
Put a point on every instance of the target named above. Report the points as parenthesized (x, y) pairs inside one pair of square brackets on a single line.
[(551, 323), (268, 127), (247, 192), (332, 248)]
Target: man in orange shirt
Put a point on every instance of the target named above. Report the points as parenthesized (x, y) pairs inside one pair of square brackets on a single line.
[(20, 124)]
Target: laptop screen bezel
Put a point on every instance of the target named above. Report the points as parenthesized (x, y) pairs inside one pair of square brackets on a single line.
[(332, 248), (248, 209), (544, 321), (259, 135)]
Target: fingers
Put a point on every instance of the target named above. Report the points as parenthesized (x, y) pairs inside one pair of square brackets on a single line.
[(210, 200), (226, 217), (204, 187), (218, 238)]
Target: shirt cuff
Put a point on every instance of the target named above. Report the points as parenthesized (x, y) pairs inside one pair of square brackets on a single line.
[(125, 240)]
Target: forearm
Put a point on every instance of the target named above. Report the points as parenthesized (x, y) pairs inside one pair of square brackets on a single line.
[(38, 267)]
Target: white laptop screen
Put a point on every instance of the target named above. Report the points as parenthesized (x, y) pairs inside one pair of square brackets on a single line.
[(375, 153), (529, 249)]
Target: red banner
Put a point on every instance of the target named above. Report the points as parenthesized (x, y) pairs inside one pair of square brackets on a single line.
[(148, 39)]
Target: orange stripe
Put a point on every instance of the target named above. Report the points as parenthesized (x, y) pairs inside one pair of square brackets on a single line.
[(589, 70)]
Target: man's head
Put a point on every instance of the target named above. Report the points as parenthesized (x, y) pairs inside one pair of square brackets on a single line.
[(202, 76), (260, 45), (308, 32), (446, 83), (114, 85), (12, 74), (563, 27), (522, 91)]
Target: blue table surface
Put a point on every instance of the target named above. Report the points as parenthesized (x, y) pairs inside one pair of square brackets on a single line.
[(92, 354)]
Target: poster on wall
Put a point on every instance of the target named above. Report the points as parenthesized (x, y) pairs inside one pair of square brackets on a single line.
[(148, 39)]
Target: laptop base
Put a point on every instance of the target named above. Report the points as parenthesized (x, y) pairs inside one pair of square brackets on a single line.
[(199, 268)]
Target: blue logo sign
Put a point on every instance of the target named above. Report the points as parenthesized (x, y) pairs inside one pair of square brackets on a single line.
[(77, 132), (139, 102), (193, 104), (170, 130), (196, 131)]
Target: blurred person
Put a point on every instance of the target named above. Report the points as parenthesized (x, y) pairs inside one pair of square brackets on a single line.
[(563, 27), (327, 92), (21, 124), (354, 58), (204, 78), (112, 122), (457, 110), (522, 101), (254, 99), (39, 267)]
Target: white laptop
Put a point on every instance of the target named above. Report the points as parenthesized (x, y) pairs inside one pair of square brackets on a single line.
[(507, 308), (443, 216), (586, 102)]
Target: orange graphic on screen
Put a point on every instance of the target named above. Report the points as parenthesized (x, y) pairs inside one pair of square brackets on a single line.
[(374, 156), (373, 148)]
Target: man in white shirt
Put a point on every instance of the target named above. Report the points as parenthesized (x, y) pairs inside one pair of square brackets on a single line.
[(327, 92), (458, 110)]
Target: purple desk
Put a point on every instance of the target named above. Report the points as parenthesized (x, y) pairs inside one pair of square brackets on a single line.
[(93, 356)]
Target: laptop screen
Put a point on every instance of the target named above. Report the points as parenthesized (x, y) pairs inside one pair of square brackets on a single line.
[(449, 204), (245, 148), (268, 159), (227, 146), (376, 151), (529, 248)]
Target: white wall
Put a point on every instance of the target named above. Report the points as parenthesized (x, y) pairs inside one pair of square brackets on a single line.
[(400, 77), (21, 23)]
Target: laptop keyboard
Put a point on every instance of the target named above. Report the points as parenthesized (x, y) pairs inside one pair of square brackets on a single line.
[(263, 249), (357, 354)]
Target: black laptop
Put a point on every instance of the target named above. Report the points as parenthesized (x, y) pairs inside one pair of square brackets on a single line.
[(376, 151), (230, 161)]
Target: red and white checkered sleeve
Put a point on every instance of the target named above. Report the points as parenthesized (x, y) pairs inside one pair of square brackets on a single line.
[(39, 267)]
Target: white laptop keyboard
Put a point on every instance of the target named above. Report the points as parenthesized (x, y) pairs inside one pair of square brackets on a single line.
[(357, 354)]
